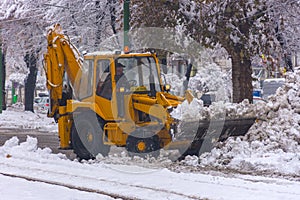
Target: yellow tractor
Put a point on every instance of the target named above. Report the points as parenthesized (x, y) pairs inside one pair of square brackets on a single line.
[(115, 98)]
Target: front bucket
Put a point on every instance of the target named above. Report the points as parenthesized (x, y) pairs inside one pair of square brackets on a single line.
[(199, 136)]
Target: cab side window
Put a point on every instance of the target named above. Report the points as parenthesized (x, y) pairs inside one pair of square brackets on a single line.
[(84, 89), (103, 79)]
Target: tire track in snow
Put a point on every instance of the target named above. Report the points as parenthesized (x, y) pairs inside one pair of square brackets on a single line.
[(83, 189), (38, 171)]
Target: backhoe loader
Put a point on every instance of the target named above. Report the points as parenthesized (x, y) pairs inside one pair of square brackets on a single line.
[(94, 109)]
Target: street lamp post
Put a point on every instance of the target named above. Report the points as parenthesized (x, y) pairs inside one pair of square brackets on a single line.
[(126, 24)]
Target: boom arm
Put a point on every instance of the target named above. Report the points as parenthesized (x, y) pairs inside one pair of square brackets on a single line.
[(61, 57)]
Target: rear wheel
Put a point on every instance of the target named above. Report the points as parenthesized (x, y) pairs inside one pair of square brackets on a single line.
[(87, 136)]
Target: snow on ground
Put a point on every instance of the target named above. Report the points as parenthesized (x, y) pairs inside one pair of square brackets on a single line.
[(15, 118), (117, 174), (27, 190), (28, 161)]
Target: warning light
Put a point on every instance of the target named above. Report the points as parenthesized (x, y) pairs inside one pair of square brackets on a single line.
[(126, 49)]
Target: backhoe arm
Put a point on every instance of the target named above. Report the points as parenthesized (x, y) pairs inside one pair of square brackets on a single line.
[(61, 57)]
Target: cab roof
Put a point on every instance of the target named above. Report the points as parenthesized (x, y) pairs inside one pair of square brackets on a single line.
[(116, 54)]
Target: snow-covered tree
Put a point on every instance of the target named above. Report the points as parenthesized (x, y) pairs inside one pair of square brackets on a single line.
[(22, 38), (86, 22), (244, 28), (24, 24), (155, 13)]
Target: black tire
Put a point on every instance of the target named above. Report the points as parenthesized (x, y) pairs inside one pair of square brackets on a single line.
[(87, 136), (152, 146)]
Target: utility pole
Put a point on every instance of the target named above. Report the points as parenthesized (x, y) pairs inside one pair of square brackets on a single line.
[(126, 24)]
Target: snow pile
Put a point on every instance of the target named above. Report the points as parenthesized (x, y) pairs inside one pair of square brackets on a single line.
[(195, 110), (233, 110), (272, 144), (119, 156), (186, 110), (27, 149)]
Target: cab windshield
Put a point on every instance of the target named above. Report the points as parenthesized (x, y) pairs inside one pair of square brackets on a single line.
[(140, 72)]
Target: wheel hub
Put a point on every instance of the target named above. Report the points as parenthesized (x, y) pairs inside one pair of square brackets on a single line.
[(90, 137), (141, 146)]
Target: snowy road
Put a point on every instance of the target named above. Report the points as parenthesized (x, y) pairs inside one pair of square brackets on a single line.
[(28, 162)]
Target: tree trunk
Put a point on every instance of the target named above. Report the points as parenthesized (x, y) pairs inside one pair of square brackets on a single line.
[(30, 82), (3, 82), (241, 78)]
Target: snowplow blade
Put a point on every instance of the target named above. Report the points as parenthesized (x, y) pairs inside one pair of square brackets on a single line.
[(197, 137)]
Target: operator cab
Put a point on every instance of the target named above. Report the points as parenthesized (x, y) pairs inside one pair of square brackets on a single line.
[(141, 73), (112, 79), (130, 73)]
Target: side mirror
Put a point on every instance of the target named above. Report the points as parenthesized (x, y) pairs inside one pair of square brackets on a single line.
[(164, 65), (164, 69)]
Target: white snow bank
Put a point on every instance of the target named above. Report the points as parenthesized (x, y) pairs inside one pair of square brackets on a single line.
[(16, 118)]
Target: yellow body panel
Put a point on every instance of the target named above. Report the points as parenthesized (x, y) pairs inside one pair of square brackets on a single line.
[(114, 135)]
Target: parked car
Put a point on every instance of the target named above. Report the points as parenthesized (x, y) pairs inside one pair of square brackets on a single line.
[(257, 99), (41, 103), (270, 86)]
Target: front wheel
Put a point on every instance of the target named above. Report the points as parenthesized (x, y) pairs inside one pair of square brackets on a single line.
[(87, 136), (143, 147)]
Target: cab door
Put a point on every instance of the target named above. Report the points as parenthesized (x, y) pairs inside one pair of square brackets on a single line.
[(103, 88)]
